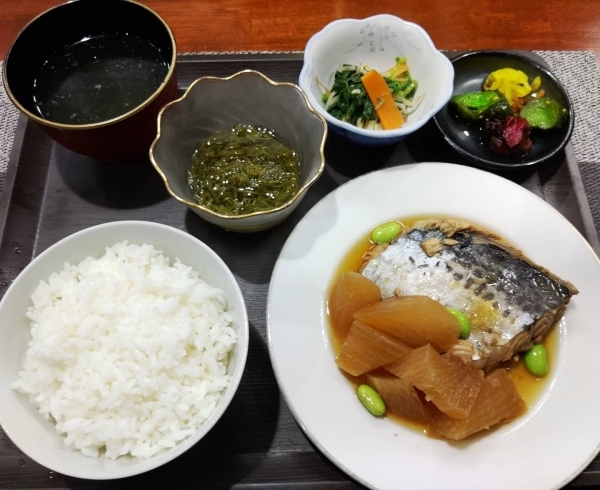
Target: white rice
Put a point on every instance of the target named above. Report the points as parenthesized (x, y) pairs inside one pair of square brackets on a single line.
[(128, 353)]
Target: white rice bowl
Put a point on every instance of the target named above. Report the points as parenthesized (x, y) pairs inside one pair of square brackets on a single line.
[(116, 357)]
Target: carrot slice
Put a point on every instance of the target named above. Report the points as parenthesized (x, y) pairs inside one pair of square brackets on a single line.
[(381, 97)]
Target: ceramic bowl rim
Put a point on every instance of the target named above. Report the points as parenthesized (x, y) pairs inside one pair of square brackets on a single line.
[(194, 205)]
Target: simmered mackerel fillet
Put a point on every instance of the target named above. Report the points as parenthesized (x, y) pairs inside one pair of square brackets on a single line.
[(510, 301)]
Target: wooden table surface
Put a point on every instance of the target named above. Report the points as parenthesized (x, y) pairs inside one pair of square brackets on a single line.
[(264, 25)]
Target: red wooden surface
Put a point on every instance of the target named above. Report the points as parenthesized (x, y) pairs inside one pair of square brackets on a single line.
[(240, 25)]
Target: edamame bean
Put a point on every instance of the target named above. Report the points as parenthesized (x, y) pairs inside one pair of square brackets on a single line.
[(386, 233), (465, 326), (371, 400), (536, 360)]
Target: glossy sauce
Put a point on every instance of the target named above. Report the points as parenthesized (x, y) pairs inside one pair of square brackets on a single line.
[(98, 78), (530, 387)]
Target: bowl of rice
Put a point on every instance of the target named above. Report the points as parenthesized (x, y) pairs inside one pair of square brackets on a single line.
[(123, 344)]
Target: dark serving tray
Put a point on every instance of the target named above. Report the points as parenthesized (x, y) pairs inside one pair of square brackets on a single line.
[(51, 193)]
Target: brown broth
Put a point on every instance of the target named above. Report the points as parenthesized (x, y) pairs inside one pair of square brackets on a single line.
[(530, 387)]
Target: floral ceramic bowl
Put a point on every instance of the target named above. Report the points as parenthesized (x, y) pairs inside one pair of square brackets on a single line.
[(213, 104), (377, 41)]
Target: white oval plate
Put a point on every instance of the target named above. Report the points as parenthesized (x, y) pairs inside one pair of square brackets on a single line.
[(545, 448)]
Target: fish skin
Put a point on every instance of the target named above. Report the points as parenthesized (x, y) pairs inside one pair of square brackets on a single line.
[(510, 301)]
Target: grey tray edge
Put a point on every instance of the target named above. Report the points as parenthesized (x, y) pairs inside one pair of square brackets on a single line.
[(584, 204), (11, 172), (586, 479)]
